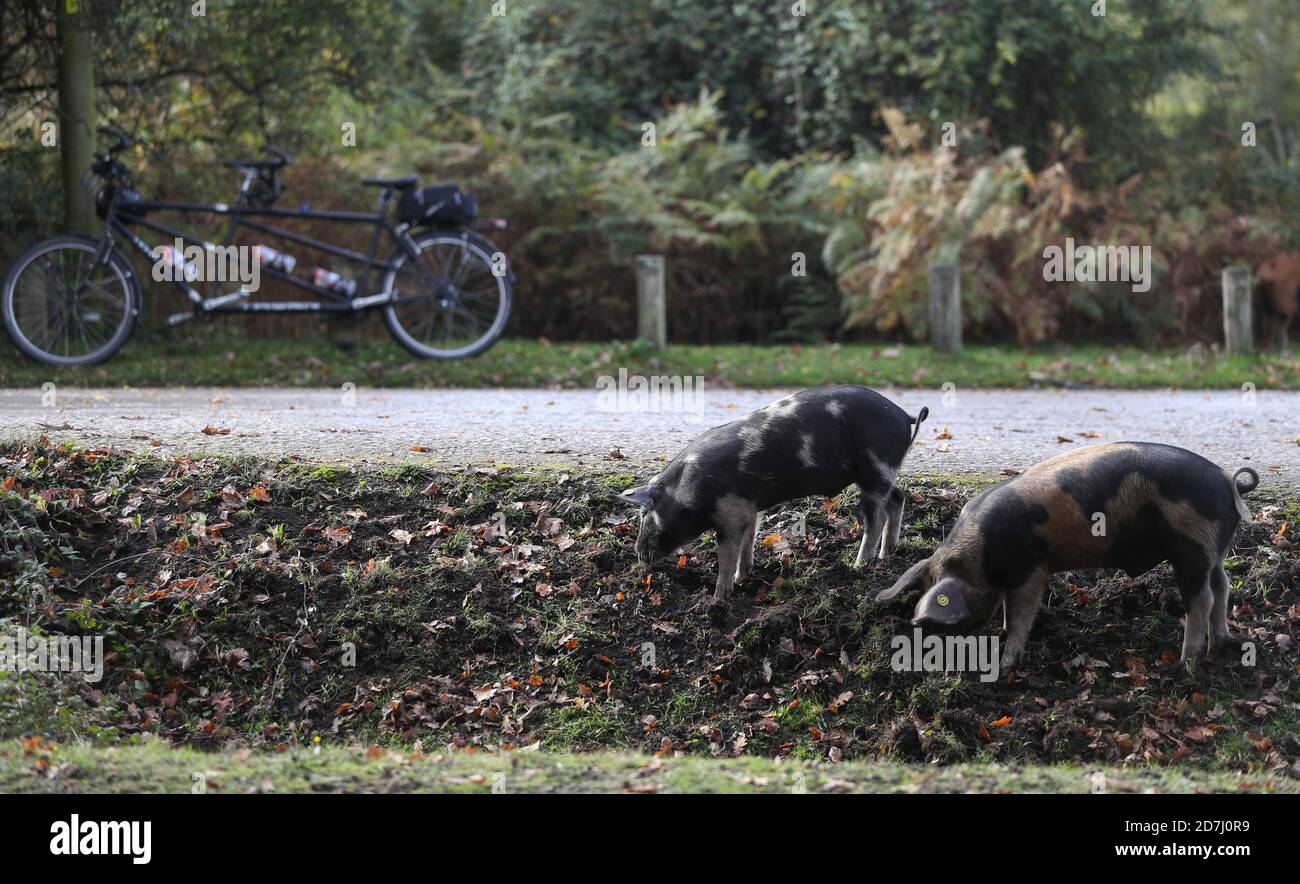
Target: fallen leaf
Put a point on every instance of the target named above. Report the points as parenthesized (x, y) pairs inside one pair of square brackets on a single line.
[(338, 536)]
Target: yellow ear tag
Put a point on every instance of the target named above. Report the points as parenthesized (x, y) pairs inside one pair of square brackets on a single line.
[(942, 600)]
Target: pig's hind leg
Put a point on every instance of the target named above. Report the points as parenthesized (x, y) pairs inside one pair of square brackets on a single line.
[(747, 548), (1221, 639), (1194, 582)]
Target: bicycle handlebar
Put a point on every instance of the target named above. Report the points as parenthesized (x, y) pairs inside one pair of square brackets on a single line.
[(121, 141), (284, 157), (105, 166)]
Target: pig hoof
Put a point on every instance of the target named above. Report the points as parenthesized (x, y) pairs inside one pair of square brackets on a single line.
[(1228, 647)]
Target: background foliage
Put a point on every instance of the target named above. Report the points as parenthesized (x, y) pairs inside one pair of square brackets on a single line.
[(781, 141)]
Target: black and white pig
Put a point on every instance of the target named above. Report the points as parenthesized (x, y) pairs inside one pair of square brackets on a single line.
[(814, 442), (1129, 505)]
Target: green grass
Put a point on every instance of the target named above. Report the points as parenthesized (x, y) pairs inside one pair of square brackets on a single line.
[(27, 766), (216, 356)]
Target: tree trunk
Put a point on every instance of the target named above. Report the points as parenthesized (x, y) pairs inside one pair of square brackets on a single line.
[(76, 111)]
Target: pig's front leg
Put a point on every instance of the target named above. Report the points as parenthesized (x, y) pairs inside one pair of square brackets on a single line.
[(729, 544), (893, 522), (734, 518), (747, 548), (1021, 607)]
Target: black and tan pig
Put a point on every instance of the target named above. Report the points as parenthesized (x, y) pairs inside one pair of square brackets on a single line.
[(1129, 505), (813, 442)]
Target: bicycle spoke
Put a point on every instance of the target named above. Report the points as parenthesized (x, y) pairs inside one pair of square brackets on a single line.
[(440, 271), (449, 323), (66, 304), (450, 303), (467, 261)]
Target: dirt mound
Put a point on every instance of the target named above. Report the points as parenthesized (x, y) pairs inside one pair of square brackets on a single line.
[(266, 604)]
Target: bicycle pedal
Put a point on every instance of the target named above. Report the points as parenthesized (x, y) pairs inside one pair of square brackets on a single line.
[(178, 318)]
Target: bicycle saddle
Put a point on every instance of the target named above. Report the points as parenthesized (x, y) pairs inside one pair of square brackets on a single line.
[(404, 183), (278, 160)]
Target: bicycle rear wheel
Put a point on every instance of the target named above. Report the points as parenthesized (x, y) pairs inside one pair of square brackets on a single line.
[(62, 307), (452, 303)]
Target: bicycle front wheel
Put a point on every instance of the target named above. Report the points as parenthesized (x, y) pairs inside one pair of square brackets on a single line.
[(63, 307), (450, 301)]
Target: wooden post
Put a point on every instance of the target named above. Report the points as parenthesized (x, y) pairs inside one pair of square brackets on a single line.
[(651, 300), (1237, 328), (945, 308)]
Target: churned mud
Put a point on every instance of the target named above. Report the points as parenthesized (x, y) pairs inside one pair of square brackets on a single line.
[(253, 604)]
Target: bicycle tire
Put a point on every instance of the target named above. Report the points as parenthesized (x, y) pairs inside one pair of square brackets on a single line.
[(484, 254), (125, 278)]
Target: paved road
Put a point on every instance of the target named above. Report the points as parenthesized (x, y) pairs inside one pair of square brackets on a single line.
[(976, 431)]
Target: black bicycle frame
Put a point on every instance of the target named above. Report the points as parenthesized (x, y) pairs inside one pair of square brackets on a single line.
[(235, 302)]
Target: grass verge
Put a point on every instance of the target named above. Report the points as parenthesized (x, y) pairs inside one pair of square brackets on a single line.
[(37, 766), (224, 359)]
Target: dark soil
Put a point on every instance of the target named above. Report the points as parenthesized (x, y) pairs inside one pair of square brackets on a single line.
[(259, 604)]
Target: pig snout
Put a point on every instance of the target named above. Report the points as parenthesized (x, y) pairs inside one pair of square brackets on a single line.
[(952, 606), (644, 555), (649, 553), (944, 605)]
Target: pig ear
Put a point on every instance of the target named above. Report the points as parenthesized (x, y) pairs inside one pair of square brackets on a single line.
[(644, 496), (945, 604), (913, 578)]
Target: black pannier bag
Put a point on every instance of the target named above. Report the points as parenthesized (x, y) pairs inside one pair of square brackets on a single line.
[(128, 205), (442, 205)]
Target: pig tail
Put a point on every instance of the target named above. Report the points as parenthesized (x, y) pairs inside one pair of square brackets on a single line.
[(918, 420), (1248, 486)]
